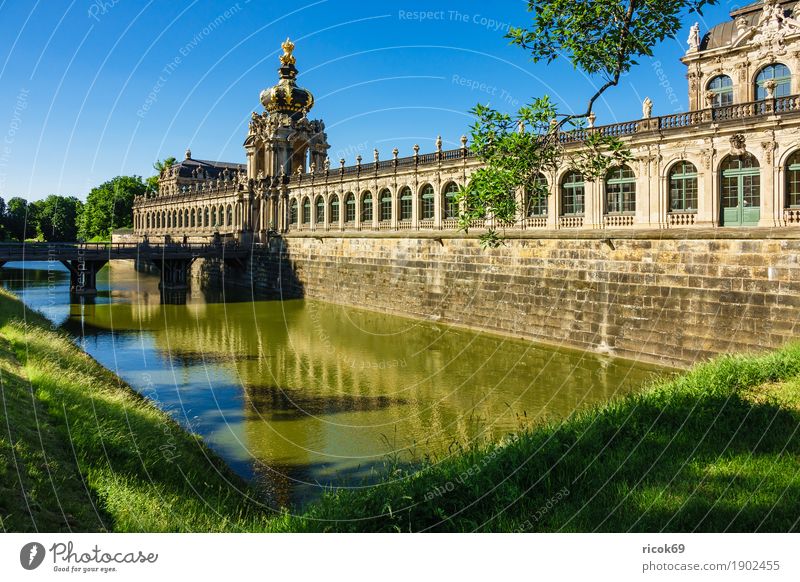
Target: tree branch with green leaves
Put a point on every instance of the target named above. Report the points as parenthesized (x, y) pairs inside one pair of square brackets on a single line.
[(602, 38)]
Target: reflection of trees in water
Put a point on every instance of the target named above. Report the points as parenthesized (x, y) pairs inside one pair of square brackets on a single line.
[(330, 391)]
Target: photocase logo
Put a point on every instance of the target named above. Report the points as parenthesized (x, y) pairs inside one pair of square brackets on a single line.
[(31, 555)]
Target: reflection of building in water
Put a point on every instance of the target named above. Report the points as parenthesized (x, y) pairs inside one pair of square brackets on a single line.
[(733, 159)]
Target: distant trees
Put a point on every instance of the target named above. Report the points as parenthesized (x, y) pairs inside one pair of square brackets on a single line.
[(57, 218), (110, 206), (18, 224), (66, 218)]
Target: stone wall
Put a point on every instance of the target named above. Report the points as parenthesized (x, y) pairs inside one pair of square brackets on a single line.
[(672, 297)]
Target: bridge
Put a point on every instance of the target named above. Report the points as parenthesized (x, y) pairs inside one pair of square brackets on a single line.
[(84, 260)]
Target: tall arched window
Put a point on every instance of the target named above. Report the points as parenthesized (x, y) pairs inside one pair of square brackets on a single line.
[(620, 190), (793, 180), (206, 221), (292, 212), (536, 199), (740, 191), (350, 207), (320, 210), (775, 72), (335, 209), (450, 203), (230, 214), (721, 89), (213, 216), (306, 211), (385, 201), (366, 207), (406, 203), (221, 215), (572, 194), (683, 187), (194, 221), (427, 194)]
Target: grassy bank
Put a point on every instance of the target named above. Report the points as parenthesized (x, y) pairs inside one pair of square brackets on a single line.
[(715, 449), (81, 451)]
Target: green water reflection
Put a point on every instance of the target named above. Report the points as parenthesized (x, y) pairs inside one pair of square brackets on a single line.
[(300, 393)]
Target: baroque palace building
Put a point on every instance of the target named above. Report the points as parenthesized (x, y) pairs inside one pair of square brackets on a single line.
[(732, 160)]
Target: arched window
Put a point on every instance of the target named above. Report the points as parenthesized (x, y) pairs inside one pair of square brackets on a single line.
[(427, 195), (350, 207), (148, 221), (180, 218), (778, 73), (306, 211), (385, 200), (536, 200), (620, 190), (572, 194), (335, 209), (406, 203), (221, 215), (721, 89), (366, 207), (320, 210), (206, 221), (793, 180), (230, 215), (450, 202), (193, 218), (292, 212), (740, 191), (683, 187), (213, 216)]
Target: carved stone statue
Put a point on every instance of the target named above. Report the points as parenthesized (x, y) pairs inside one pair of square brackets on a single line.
[(647, 108), (694, 37)]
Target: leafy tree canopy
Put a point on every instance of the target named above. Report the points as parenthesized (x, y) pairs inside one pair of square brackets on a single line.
[(109, 206), (57, 218), (20, 220), (602, 38)]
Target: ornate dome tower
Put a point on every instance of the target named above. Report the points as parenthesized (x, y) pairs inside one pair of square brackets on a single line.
[(286, 97), (282, 140)]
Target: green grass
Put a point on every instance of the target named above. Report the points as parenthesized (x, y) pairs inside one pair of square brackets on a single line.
[(714, 449), (81, 451)]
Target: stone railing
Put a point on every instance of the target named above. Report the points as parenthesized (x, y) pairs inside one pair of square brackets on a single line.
[(570, 222), (677, 121), (681, 218), (617, 220), (534, 222), (791, 216)]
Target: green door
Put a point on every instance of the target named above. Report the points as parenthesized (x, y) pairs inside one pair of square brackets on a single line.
[(741, 194)]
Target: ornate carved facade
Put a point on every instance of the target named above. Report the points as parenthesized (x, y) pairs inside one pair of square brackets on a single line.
[(733, 159)]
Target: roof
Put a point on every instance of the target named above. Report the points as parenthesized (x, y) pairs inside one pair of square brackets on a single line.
[(723, 35), (212, 169)]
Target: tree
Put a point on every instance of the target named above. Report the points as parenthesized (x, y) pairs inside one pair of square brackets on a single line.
[(20, 219), (57, 218), (3, 230), (602, 38), (159, 166), (110, 206)]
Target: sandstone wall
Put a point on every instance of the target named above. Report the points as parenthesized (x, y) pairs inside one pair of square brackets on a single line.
[(670, 297)]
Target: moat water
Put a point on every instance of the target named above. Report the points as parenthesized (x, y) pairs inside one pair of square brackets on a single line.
[(298, 395)]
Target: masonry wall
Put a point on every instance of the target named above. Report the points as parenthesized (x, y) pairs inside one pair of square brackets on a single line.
[(675, 297)]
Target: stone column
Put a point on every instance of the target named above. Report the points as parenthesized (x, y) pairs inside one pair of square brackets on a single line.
[(552, 202), (593, 204), (769, 193)]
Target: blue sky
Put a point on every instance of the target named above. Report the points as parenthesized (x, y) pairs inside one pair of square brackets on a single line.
[(94, 89)]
